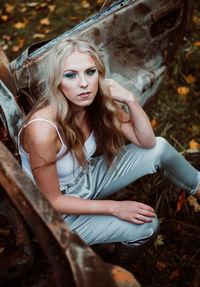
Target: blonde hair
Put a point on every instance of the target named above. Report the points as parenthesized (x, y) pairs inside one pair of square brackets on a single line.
[(102, 113)]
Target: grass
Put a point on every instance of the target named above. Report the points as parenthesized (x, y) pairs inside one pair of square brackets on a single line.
[(175, 259)]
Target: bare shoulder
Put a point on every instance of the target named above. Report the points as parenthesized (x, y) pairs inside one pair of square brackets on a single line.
[(40, 134)]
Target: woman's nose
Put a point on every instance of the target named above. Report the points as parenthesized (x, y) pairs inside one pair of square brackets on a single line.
[(83, 82)]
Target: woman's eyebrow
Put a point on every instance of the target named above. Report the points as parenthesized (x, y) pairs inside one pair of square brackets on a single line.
[(74, 71), (69, 70)]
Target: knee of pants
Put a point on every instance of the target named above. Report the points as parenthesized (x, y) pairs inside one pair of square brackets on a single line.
[(151, 231), (161, 148)]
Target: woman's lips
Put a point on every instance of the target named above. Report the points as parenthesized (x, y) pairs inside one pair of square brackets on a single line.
[(84, 95)]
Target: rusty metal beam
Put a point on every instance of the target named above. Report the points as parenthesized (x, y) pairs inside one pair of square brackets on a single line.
[(137, 40), (6, 74), (10, 113), (73, 262), (52, 234)]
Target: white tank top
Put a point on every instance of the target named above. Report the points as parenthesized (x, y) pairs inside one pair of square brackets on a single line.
[(67, 166)]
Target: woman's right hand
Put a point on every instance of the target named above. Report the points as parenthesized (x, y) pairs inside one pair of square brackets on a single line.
[(133, 211)]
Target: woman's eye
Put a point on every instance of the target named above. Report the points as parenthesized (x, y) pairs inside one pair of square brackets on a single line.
[(70, 75), (91, 72)]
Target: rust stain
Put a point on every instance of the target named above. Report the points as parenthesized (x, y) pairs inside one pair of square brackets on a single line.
[(122, 276)]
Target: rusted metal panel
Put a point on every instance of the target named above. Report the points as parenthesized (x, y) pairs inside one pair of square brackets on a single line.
[(14, 264), (137, 39), (5, 74), (10, 113), (52, 234), (73, 262)]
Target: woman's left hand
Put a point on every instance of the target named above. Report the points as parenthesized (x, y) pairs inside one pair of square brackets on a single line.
[(118, 92)]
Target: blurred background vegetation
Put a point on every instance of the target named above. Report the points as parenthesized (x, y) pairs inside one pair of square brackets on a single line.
[(174, 113)]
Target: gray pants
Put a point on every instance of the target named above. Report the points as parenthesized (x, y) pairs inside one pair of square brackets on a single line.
[(98, 182)]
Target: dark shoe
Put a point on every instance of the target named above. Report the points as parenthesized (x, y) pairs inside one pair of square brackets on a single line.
[(126, 255)]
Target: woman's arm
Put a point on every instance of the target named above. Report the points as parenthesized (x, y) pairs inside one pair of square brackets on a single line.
[(43, 145), (136, 127)]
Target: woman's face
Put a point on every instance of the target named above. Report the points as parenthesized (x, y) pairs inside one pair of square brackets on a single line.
[(80, 79)]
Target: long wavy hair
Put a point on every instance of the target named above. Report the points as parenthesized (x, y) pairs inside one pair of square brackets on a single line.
[(101, 114)]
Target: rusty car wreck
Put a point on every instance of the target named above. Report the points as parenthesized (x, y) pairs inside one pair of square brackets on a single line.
[(138, 38)]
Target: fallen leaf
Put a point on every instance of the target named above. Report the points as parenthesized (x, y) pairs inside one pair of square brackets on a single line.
[(85, 4), (43, 5), (195, 130), (22, 10), (20, 25), (154, 124), (189, 52), (196, 20), (4, 47), (174, 274), (6, 37), (73, 18), (194, 203), (172, 81), (160, 265), (4, 17), (100, 1), (38, 35), (47, 31), (180, 202), (2, 250), (45, 22), (190, 79), (159, 240), (194, 144), (16, 48), (21, 42), (197, 44), (183, 91), (185, 256), (32, 4), (52, 7), (9, 8)]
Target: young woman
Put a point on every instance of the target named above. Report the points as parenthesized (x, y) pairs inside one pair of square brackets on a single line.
[(72, 145)]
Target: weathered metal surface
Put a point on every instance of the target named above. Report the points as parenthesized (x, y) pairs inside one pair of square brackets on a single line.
[(73, 262), (137, 39), (10, 113), (5, 73), (19, 257), (52, 234)]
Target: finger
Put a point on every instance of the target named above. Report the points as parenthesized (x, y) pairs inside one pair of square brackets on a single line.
[(146, 207), (136, 221), (144, 218), (147, 213), (108, 81)]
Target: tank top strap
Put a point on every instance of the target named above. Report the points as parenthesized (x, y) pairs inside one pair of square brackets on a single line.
[(44, 120)]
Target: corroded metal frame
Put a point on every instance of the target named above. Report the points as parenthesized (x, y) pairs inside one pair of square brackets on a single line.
[(137, 48), (136, 38), (74, 263)]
